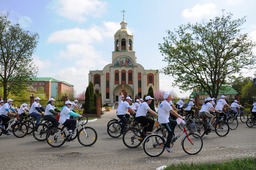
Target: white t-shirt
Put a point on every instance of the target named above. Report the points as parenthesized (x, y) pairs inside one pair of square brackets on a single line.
[(254, 107), (180, 103), (22, 109), (33, 107), (190, 105), (5, 107), (123, 108), (48, 108), (220, 104), (206, 107), (64, 114), (164, 112), (142, 110), (234, 106)]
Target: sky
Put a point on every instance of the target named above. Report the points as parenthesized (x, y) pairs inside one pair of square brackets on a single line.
[(76, 36)]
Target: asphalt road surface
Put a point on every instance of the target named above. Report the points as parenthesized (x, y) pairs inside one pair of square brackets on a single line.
[(111, 154)]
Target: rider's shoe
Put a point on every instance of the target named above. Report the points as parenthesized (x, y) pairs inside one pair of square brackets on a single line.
[(168, 149)]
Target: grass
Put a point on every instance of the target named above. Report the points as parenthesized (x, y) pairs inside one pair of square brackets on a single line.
[(237, 164)]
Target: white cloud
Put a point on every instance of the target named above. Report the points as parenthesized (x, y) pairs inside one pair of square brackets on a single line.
[(235, 2), (25, 21), (200, 11), (79, 10), (80, 53), (41, 64)]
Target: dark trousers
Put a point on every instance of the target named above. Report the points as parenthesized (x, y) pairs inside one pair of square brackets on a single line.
[(70, 124), (146, 122), (4, 119), (170, 127), (124, 120), (52, 119)]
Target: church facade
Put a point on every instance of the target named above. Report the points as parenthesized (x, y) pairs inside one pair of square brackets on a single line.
[(124, 74)]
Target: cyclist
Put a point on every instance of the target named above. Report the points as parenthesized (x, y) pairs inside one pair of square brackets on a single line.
[(36, 111), (5, 112), (221, 104), (235, 107), (22, 111), (51, 112), (141, 114), (74, 105), (253, 110), (189, 108), (136, 105), (65, 117), (205, 113), (122, 112), (164, 111)]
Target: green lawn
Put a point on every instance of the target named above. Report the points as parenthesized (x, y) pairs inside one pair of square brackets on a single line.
[(238, 164)]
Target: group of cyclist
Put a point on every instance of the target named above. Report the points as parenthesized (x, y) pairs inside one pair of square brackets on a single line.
[(168, 112), (65, 116)]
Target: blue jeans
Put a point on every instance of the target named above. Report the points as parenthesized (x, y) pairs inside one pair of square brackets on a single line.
[(37, 116)]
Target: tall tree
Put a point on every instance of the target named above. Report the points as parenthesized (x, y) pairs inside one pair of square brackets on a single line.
[(90, 103), (16, 49), (204, 55), (151, 93)]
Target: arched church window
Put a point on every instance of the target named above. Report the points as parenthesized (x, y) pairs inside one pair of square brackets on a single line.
[(117, 45), (123, 44), (116, 77), (97, 79), (150, 79), (130, 81), (130, 44), (123, 77)]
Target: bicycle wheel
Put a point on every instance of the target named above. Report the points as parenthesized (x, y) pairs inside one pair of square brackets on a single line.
[(250, 122), (233, 123), (132, 138), (114, 129), (112, 120), (192, 144), (243, 117), (56, 138), (222, 128), (20, 130), (153, 145), (40, 133), (30, 126), (87, 136)]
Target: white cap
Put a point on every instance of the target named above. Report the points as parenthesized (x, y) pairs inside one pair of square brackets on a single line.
[(148, 98), (236, 101), (1, 101), (137, 100), (222, 96), (208, 99), (128, 98), (37, 98), (67, 102), (24, 105), (166, 95), (51, 99), (76, 101), (191, 99), (9, 100), (141, 99)]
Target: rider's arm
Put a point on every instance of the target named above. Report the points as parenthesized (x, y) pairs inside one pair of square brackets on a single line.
[(53, 112), (38, 109), (176, 114), (152, 112), (71, 113)]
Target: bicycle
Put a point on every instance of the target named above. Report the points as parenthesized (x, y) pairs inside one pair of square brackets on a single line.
[(251, 121), (18, 128), (220, 126), (134, 136), (42, 129), (232, 119), (86, 135), (192, 143)]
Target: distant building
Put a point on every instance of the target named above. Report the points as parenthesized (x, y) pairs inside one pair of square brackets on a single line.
[(52, 87), (124, 74), (230, 93)]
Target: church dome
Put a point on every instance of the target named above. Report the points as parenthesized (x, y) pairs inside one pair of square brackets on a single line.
[(123, 29)]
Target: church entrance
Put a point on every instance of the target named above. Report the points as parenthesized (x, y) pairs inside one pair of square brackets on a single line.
[(122, 89)]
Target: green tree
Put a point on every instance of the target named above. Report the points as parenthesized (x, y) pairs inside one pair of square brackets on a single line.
[(16, 49), (239, 82), (151, 93), (204, 55), (90, 102), (248, 93)]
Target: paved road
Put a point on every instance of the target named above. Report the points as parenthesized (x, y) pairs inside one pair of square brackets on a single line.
[(111, 154)]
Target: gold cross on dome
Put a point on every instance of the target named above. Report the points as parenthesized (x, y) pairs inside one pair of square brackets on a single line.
[(123, 11)]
